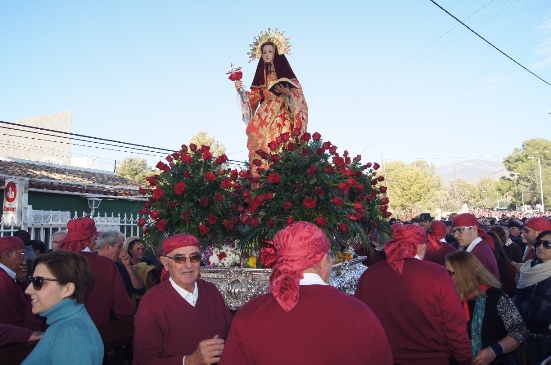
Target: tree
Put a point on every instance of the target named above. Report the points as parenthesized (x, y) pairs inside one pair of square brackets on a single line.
[(202, 138), (523, 163), (412, 188), (135, 169)]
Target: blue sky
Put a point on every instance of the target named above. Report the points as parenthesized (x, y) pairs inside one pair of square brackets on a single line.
[(392, 80)]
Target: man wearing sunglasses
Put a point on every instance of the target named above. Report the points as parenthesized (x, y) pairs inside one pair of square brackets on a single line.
[(13, 304), (532, 228), (472, 238), (533, 299), (182, 320)]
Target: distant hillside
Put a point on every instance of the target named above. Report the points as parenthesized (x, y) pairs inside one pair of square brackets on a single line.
[(472, 171)]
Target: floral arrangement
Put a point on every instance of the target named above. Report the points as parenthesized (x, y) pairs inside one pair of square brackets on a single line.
[(194, 193), (306, 179), (225, 256)]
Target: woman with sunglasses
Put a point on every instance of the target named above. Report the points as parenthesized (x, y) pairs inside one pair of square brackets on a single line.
[(493, 322), (57, 292), (533, 300), (184, 319)]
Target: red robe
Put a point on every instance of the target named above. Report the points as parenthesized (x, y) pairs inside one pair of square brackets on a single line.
[(325, 327), (437, 255), (419, 310), (486, 256), (13, 306), (167, 327), (107, 293)]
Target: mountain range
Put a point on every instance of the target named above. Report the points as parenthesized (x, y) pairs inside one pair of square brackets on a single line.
[(471, 171)]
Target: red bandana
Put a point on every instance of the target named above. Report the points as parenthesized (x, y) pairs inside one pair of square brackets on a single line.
[(539, 224), (403, 244), (468, 219), (79, 232), (437, 232)]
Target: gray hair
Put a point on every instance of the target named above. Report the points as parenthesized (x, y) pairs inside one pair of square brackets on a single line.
[(58, 233), (109, 237)]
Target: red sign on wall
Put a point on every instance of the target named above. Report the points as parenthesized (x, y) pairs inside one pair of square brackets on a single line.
[(10, 192)]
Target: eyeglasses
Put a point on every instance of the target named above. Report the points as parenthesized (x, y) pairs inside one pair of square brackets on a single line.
[(38, 281), (181, 259), (22, 253), (452, 273), (545, 243), (460, 230)]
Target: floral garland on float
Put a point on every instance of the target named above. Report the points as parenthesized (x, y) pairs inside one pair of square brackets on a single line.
[(307, 180), (194, 193)]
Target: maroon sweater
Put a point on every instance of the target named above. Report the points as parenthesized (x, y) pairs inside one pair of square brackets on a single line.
[(168, 327), (419, 310), (486, 256), (325, 327), (13, 306), (106, 296), (437, 255)]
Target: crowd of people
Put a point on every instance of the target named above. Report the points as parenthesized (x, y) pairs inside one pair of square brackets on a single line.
[(441, 292)]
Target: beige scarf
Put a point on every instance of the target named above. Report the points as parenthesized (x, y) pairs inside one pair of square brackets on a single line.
[(532, 275)]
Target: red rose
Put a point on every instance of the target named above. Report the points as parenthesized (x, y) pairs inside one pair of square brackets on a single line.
[(388, 214), (309, 202), (320, 151), (316, 136), (275, 158), (358, 206), (260, 170), (304, 151), (290, 146), (147, 205), (158, 193), (384, 201), (296, 132), (381, 178), (270, 223), (222, 256), (204, 202), (351, 181), (374, 182), (141, 222), (257, 162), (212, 219), (326, 145), (154, 214), (383, 189), (254, 222), (306, 137), (142, 191), (192, 146), (145, 229), (297, 186), (209, 176), (227, 183), (329, 169), (272, 145), (179, 188), (344, 186), (268, 196), (320, 221), (169, 158), (218, 197), (337, 201), (343, 228), (161, 225), (287, 205), (319, 191), (229, 224), (151, 180), (312, 170), (274, 178), (290, 220), (360, 186), (353, 217), (171, 205), (144, 211), (187, 159), (376, 166), (203, 229), (162, 166), (333, 149), (384, 208), (285, 136)]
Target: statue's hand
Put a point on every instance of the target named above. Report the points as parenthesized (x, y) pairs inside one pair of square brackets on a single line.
[(238, 85)]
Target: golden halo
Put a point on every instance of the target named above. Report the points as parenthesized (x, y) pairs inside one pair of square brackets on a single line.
[(282, 43)]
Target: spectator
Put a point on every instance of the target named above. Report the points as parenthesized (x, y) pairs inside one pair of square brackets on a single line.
[(511, 248), (533, 300), (57, 291), (184, 319), (437, 247), (473, 238), (39, 248), (425, 219), (495, 325), (148, 271), (26, 238), (416, 303), (297, 321), (57, 238), (106, 295), (532, 228), (507, 272)]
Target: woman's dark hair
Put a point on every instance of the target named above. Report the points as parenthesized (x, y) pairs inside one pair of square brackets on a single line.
[(68, 267), (132, 244), (544, 233), (282, 68), (500, 232)]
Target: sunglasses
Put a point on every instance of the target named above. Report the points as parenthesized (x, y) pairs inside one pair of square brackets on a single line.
[(460, 230), (181, 259), (545, 243), (38, 281)]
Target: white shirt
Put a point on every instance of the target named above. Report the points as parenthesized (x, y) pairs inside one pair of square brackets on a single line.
[(191, 298), (10, 272), (473, 244), (312, 279)]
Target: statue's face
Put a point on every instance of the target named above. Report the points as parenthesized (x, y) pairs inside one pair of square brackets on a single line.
[(268, 53)]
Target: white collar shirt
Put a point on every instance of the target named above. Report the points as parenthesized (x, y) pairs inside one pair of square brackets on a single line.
[(9, 271), (191, 298), (312, 279)]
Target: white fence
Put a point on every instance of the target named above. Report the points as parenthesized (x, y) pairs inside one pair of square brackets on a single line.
[(42, 224)]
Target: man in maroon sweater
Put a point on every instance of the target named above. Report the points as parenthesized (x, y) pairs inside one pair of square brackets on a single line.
[(303, 320), (416, 302), (183, 320), (472, 238), (106, 298), (13, 304)]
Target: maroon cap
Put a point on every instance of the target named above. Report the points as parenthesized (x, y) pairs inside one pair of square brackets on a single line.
[(10, 243)]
